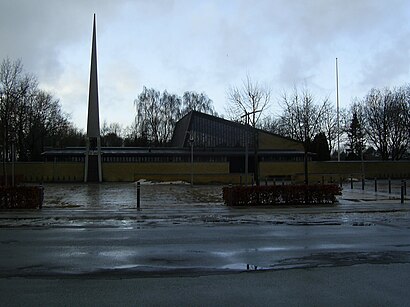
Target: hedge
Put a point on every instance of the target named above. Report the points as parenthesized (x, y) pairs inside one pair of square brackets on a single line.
[(281, 194), (21, 197)]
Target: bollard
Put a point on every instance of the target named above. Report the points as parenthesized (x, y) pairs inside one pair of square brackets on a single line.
[(341, 182), (389, 185), (138, 194), (405, 187), (402, 192), (375, 184), (362, 183), (351, 182)]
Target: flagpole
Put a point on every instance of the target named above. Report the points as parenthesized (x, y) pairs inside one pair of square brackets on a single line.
[(337, 110)]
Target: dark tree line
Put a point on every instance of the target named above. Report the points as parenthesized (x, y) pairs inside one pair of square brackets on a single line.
[(381, 120), (30, 118), (355, 134), (157, 114), (374, 127), (306, 119)]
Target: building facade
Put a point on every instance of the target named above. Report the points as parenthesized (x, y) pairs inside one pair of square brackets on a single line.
[(203, 146), (198, 139)]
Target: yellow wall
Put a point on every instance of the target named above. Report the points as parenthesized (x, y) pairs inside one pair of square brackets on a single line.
[(334, 171), (47, 171), (280, 169), (208, 172), (275, 142), (371, 169), (166, 171)]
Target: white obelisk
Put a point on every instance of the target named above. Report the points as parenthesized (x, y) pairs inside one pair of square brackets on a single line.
[(93, 168)]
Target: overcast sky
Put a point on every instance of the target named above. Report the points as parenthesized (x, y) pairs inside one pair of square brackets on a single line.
[(206, 46)]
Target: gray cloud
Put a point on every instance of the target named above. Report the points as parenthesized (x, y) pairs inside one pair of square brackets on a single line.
[(39, 31), (205, 45), (388, 66)]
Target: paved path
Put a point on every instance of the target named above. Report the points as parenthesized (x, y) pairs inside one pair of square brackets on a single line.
[(360, 285)]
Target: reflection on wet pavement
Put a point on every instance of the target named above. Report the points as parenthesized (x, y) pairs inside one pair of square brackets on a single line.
[(114, 205)]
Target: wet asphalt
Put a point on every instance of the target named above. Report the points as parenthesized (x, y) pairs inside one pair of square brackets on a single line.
[(96, 232)]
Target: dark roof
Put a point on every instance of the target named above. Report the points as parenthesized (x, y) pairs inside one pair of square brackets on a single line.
[(165, 151), (178, 143), (183, 126)]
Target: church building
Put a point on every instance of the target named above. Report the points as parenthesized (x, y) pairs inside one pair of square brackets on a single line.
[(204, 148)]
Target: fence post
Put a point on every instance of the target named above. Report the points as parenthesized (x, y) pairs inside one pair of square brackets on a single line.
[(41, 191), (375, 184), (405, 187), (362, 182), (402, 192), (351, 182), (138, 195), (389, 185)]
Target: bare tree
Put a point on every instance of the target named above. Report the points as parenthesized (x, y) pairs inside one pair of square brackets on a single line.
[(329, 125), (400, 123), (111, 128), (248, 102), (147, 107), (387, 121), (192, 101), (156, 115), (29, 117), (47, 123), (271, 124), (71, 136), (302, 118), (111, 134), (10, 78), (171, 113)]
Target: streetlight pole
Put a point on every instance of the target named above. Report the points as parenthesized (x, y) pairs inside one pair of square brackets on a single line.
[(12, 162), (4, 159), (255, 144), (337, 107), (191, 142), (246, 147)]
